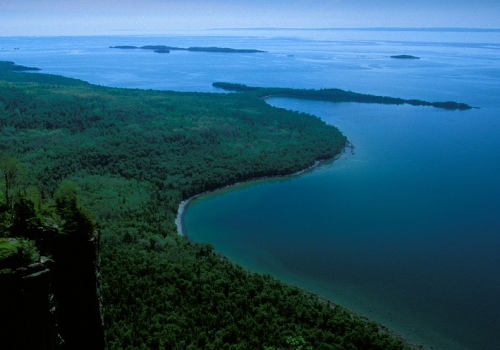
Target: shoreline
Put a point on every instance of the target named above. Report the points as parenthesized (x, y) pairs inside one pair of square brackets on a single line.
[(185, 203), (382, 328), (349, 147)]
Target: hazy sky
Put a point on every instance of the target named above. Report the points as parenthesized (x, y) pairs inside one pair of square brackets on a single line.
[(91, 17)]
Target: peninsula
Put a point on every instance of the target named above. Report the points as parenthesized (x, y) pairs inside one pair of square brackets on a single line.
[(132, 156), (335, 95), (165, 49), (11, 66)]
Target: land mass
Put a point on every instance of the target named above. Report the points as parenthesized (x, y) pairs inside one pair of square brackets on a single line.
[(133, 156), (11, 66), (335, 95), (406, 57), (165, 49)]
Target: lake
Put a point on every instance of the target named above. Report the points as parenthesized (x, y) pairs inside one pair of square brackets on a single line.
[(407, 229)]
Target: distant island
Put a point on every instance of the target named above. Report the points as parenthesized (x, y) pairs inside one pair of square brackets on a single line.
[(167, 49), (336, 95), (223, 49), (406, 57)]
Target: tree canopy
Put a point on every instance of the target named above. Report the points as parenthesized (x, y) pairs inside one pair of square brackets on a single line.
[(130, 157)]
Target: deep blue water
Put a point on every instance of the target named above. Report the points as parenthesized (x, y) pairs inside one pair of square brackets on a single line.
[(407, 229)]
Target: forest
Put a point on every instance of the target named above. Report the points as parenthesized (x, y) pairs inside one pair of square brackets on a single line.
[(335, 95), (120, 161)]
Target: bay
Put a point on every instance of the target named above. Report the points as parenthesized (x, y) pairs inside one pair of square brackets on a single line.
[(402, 231), (406, 230)]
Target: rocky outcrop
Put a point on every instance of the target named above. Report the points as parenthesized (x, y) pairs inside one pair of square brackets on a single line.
[(29, 319), (55, 303), (77, 289)]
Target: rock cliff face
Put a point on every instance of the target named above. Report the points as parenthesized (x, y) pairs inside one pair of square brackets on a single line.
[(77, 292), (56, 303), (28, 318)]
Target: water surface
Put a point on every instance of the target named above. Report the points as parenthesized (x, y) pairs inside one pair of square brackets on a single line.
[(405, 230)]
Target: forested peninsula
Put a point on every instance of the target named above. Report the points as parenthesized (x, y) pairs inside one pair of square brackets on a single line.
[(127, 158), (334, 95), (166, 49)]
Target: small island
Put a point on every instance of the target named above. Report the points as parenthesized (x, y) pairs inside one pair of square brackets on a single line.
[(156, 47), (223, 49), (167, 49), (335, 95), (123, 47), (405, 57)]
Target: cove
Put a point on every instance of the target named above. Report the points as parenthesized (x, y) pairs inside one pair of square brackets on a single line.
[(403, 231)]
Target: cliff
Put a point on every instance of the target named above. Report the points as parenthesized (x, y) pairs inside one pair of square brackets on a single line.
[(29, 319), (54, 303)]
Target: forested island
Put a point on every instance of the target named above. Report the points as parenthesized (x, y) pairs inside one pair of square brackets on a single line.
[(166, 49), (334, 95), (124, 159), (405, 57)]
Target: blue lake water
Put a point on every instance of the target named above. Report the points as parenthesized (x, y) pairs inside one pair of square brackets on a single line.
[(407, 229)]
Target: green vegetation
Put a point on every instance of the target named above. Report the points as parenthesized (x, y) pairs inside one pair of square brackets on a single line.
[(15, 253), (334, 95), (132, 156), (10, 66), (24, 209), (293, 343)]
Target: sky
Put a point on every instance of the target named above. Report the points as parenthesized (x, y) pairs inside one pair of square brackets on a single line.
[(114, 17)]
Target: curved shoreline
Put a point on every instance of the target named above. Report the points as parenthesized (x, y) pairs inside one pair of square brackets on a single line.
[(349, 147), (185, 203)]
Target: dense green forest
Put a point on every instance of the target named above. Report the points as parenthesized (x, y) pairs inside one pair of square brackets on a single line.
[(335, 95), (130, 157)]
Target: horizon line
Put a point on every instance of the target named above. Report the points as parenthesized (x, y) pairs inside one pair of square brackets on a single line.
[(186, 31), (441, 29)]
